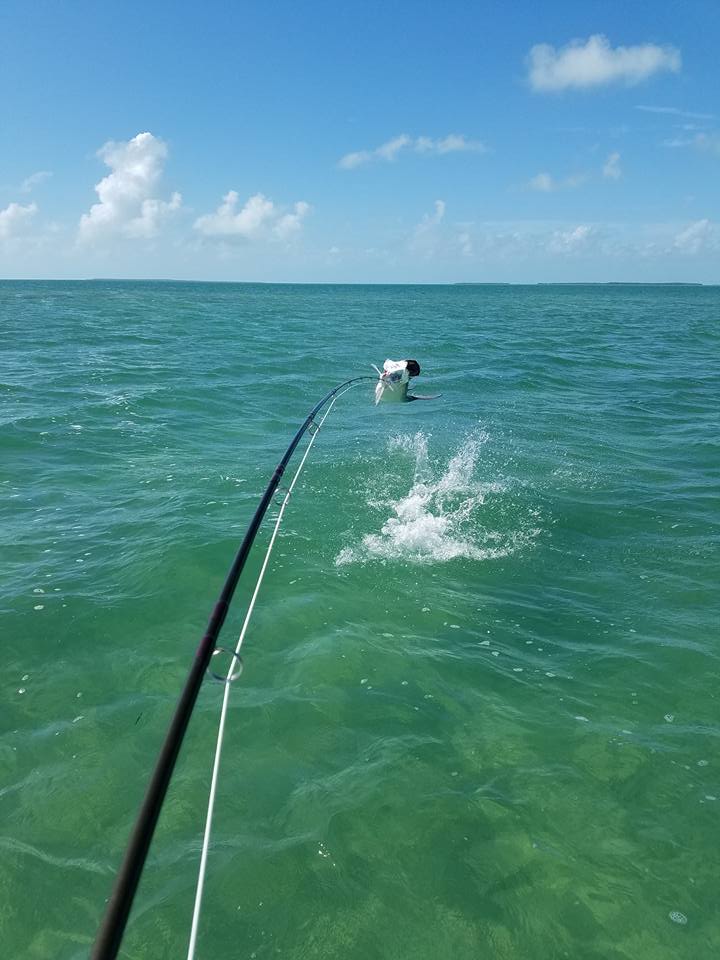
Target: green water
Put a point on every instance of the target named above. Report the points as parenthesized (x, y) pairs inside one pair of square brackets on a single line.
[(479, 715)]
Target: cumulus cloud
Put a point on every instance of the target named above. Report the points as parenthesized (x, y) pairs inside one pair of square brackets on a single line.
[(259, 217), (544, 182), (389, 151), (607, 249), (465, 242), (128, 207), (581, 65), (34, 180), (611, 169), (698, 236), (15, 219), (425, 235), (290, 223), (570, 241), (438, 216)]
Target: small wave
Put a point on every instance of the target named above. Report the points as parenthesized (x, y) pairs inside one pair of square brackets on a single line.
[(439, 519)]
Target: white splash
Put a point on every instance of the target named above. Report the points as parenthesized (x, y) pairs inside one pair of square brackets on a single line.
[(439, 518)]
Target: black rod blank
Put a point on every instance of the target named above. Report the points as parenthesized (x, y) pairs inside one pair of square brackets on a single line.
[(116, 916)]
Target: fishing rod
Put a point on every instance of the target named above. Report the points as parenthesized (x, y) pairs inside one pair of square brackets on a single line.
[(107, 943)]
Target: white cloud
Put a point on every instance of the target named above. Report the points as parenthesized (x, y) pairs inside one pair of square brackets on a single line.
[(259, 217), (570, 241), (15, 219), (547, 250), (452, 143), (290, 223), (675, 112), (439, 215), (127, 207), (34, 180), (581, 64), (702, 141), (425, 235), (611, 170), (228, 221), (389, 151), (464, 239), (545, 183), (694, 238), (352, 160)]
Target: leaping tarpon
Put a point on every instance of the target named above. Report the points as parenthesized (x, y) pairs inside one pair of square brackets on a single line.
[(393, 382)]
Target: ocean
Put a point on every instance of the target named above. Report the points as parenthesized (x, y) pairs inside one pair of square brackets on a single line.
[(479, 711)]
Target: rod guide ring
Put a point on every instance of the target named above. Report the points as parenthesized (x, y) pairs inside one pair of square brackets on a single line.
[(229, 677)]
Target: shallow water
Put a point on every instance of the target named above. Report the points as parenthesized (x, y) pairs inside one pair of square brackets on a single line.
[(479, 710)]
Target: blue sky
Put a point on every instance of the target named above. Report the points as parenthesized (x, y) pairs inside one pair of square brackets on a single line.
[(361, 142)]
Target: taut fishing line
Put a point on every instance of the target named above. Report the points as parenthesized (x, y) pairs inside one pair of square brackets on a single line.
[(232, 674), (112, 928), (392, 384)]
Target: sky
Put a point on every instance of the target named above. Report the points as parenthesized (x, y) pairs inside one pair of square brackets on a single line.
[(373, 142)]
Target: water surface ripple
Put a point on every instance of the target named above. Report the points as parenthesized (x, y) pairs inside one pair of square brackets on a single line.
[(479, 712)]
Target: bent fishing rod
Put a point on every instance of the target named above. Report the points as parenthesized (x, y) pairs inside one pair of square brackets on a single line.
[(118, 909)]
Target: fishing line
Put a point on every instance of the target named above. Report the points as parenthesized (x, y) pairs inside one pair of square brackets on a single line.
[(232, 674), (112, 928)]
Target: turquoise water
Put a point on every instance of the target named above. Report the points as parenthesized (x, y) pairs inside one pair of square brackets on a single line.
[(479, 714)]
